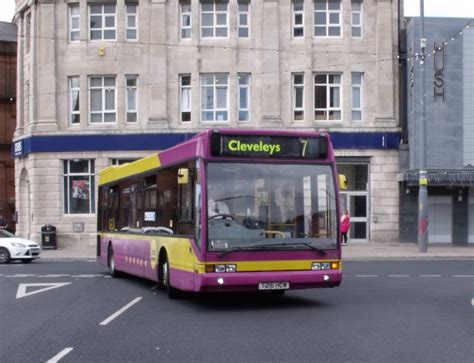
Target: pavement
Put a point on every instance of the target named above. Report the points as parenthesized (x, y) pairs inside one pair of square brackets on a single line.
[(351, 251)]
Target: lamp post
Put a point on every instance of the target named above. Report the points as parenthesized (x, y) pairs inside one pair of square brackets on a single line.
[(423, 174)]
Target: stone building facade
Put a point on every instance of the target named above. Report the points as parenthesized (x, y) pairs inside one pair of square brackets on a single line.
[(106, 81), (7, 123)]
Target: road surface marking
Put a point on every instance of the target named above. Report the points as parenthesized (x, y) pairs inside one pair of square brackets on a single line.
[(367, 275), (49, 286), (463, 275), (472, 301), (398, 275), (23, 275), (55, 275), (91, 275), (430, 275), (60, 355), (118, 312)]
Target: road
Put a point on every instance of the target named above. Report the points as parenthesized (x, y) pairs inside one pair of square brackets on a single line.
[(385, 311)]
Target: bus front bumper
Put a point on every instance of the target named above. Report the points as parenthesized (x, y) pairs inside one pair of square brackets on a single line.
[(273, 280)]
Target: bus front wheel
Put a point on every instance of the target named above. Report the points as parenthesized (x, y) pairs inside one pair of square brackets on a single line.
[(112, 270), (165, 280)]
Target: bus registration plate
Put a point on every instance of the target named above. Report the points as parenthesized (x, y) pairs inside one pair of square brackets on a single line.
[(273, 285)]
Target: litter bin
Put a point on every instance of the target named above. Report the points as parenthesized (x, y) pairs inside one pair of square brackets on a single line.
[(48, 237)]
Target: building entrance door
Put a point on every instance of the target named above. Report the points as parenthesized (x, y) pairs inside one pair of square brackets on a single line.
[(356, 199), (356, 203), (440, 227)]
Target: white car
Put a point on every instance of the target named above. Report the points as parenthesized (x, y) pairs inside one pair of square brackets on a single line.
[(16, 248)]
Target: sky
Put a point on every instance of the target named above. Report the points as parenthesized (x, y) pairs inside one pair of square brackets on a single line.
[(444, 8)]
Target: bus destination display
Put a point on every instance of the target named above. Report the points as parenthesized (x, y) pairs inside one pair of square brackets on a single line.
[(269, 146)]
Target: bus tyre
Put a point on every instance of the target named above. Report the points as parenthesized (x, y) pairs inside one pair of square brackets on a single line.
[(170, 290), (113, 271)]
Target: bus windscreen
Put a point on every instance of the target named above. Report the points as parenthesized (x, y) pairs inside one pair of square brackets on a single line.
[(269, 146)]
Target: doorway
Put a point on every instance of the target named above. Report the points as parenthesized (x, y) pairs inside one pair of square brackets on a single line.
[(356, 199)]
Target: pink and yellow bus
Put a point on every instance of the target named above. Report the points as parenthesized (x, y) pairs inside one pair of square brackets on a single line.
[(228, 210)]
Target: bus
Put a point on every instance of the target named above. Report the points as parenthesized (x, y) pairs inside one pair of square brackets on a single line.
[(226, 210)]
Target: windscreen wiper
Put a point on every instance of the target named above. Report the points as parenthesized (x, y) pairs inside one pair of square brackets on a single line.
[(260, 245)]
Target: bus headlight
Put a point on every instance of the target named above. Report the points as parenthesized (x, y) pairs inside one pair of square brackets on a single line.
[(219, 268), (316, 266), (225, 268), (325, 266), (231, 268)]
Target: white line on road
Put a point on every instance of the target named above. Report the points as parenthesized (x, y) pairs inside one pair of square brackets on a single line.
[(60, 355), (430, 275), (91, 275), (114, 315), (398, 275), (463, 275), (367, 275), (54, 275), (472, 301)]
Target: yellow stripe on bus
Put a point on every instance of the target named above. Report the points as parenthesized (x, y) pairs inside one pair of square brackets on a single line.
[(114, 173)]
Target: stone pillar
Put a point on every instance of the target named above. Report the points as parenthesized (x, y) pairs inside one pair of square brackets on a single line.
[(157, 67), (271, 115), (43, 46), (385, 111)]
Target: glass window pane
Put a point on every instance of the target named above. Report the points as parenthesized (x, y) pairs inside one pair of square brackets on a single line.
[(243, 115), (207, 101), (243, 19), (320, 19), (96, 34), (221, 115), (109, 9), (320, 4), (334, 94), (334, 78), (75, 35), (221, 6), (95, 9), (75, 23), (221, 95), (221, 19), (207, 6), (320, 31), (131, 34), (355, 18), (186, 33), (356, 115), (334, 18), (208, 116), (131, 98), (109, 117), (74, 9), (109, 100), (207, 20), (356, 97), (207, 79), (131, 21), (320, 97), (109, 81), (334, 31), (79, 195), (96, 100), (79, 166), (110, 21), (96, 22), (299, 97), (356, 31), (75, 101), (96, 117), (334, 4), (334, 115), (131, 117), (298, 5), (131, 81), (243, 98), (221, 79), (298, 79), (298, 19), (243, 32), (207, 32), (221, 32), (109, 34)]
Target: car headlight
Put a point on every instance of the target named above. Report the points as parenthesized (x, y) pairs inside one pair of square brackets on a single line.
[(17, 244)]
